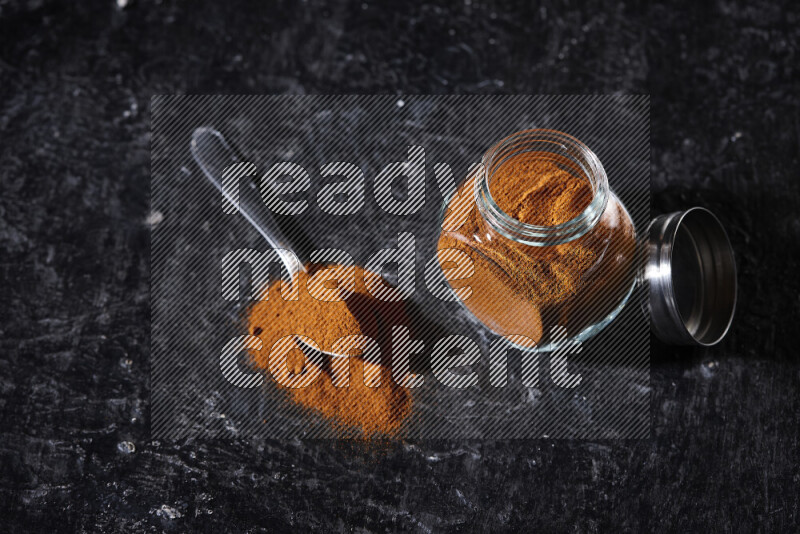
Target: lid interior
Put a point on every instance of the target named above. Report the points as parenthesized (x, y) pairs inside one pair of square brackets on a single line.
[(703, 276)]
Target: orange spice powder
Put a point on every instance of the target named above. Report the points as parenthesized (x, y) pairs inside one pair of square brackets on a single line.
[(522, 290), (369, 411), (539, 191)]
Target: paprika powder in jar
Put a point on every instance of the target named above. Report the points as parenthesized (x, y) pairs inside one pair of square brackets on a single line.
[(551, 245)]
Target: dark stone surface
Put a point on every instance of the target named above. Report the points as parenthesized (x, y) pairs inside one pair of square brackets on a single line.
[(75, 82)]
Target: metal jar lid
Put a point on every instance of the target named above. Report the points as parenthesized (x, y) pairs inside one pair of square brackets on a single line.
[(692, 276)]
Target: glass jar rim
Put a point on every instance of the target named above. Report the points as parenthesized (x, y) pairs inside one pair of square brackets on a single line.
[(555, 142)]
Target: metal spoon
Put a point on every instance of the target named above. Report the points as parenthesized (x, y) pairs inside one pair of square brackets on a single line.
[(213, 154)]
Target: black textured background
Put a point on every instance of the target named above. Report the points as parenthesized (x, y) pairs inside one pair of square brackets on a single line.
[(75, 82)]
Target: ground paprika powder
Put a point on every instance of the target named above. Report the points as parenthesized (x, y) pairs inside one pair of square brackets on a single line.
[(357, 403), (551, 245)]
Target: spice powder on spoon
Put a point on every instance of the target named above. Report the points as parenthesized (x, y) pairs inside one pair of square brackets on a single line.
[(371, 411)]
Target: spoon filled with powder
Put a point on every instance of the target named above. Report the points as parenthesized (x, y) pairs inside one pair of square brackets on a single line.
[(315, 331)]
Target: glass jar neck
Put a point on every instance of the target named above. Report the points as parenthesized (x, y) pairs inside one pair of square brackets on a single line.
[(569, 154)]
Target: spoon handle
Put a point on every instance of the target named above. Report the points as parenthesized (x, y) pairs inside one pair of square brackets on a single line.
[(213, 155)]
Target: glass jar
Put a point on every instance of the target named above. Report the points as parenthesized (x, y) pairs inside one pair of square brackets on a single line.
[(539, 285)]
